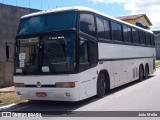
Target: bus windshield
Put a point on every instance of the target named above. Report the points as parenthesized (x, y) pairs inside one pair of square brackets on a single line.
[(47, 23), (51, 54)]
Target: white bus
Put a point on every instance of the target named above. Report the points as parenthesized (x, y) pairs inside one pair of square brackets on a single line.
[(73, 53)]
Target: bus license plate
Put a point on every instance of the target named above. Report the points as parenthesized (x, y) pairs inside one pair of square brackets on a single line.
[(41, 94)]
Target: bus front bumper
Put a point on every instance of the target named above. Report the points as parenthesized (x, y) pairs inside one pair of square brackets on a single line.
[(53, 94)]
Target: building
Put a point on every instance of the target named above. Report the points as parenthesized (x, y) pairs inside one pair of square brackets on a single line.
[(9, 20), (133, 19), (157, 43)]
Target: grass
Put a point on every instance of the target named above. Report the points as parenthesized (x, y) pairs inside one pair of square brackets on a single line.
[(9, 98), (157, 63)]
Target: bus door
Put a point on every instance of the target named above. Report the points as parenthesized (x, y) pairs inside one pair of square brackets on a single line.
[(88, 58)]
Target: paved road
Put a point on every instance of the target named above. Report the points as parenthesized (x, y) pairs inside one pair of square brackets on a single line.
[(136, 96)]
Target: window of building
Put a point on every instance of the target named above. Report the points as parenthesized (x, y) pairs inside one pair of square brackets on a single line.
[(87, 24)]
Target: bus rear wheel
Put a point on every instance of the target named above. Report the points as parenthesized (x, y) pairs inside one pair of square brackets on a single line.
[(146, 72), (101, 85), (141, 73)]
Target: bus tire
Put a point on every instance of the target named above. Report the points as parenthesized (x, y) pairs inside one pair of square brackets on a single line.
[(146, 71), (141, 73), (101, 85)]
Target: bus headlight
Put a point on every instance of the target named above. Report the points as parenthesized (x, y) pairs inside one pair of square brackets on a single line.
[(65, 84), (19, 85)]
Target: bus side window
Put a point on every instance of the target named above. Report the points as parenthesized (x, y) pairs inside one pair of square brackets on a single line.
[(116, 31), (142, 37), (152, 40), (103, 28), (100, 28), (107, 29), (83, 54), (135, 35), (127, 34), (119, 31), (148, 39), (87, 24), (93, 48)]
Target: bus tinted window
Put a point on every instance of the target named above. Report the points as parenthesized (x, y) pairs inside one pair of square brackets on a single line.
[(152, 40), (116, 31), (61, 21), (135, 35), (107, 29), (127, 34), (87, 24), (84, 57), (119, 28), (148, 39), (47, 23), (93, 53), (100, 28), (142, 37), (32, 25)]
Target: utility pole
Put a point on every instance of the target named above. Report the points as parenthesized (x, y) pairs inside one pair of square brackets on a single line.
[(29, 3), (41, 5)]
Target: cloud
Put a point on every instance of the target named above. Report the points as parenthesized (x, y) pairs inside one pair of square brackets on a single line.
[(108, 1), (149, 7)]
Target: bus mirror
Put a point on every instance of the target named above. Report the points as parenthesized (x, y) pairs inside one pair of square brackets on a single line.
[(7, 52)]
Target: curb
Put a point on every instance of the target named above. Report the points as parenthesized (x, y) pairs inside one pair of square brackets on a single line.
[(7, 106), (6, 91)]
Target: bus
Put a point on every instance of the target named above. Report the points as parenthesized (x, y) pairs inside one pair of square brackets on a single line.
[(73, 53)]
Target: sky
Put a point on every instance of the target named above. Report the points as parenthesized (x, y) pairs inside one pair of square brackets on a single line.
[(110, 7)]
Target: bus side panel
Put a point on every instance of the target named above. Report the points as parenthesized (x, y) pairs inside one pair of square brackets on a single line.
[(125, 61), (84, 80)]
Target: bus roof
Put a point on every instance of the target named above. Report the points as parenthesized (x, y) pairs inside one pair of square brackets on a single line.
[(80, 8)]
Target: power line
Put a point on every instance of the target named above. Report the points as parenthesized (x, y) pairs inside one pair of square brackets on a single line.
[(73, 4)]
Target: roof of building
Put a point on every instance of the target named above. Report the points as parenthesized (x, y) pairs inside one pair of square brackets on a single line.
[(156, 33), (80, 8), (134, 17)]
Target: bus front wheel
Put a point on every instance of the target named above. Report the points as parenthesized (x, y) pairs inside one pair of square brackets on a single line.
[(101, 85)]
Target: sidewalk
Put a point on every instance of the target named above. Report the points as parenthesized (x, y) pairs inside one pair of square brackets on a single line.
[(7, 89)]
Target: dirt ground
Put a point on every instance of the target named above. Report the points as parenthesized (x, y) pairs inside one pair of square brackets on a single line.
[(9, 98)]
